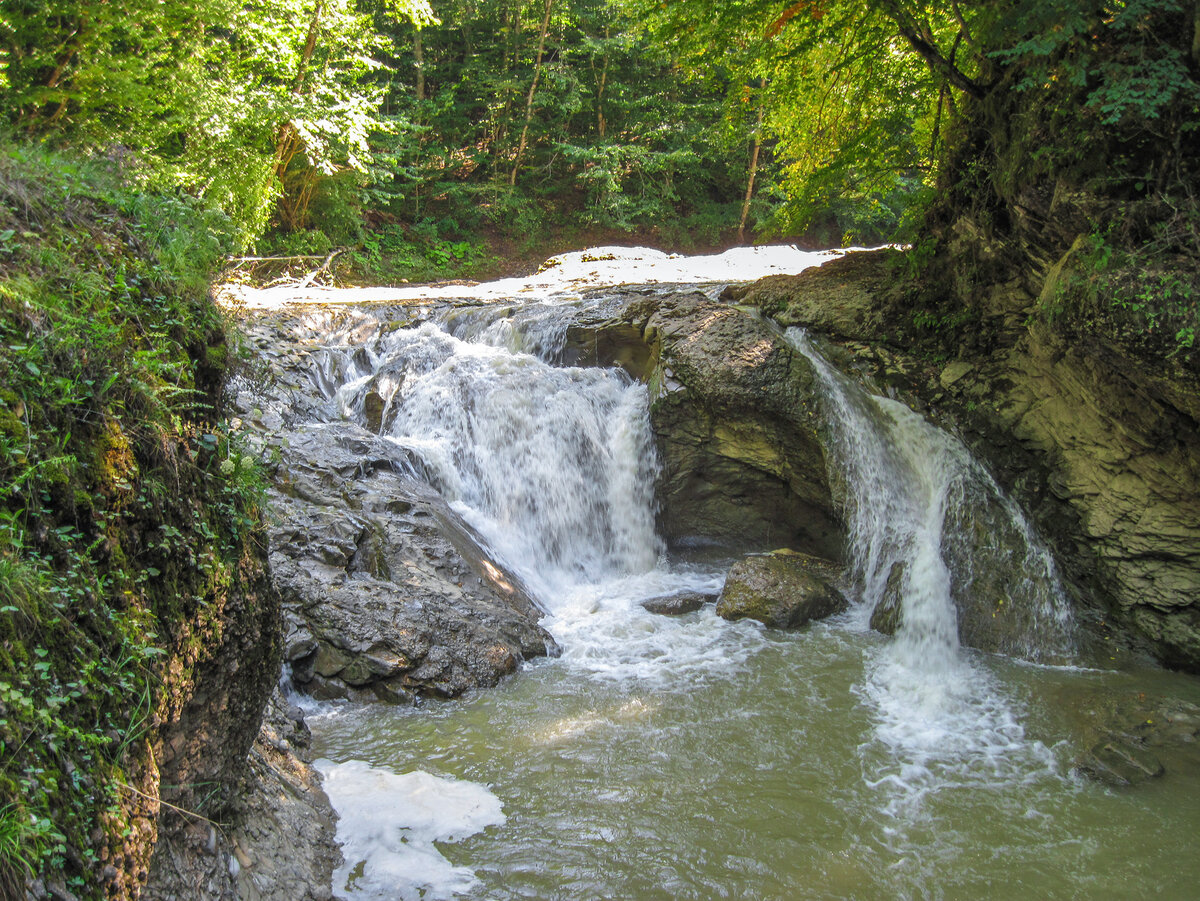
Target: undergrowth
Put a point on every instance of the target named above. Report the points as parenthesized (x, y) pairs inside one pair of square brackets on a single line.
[(118, 519), (1137, 281)]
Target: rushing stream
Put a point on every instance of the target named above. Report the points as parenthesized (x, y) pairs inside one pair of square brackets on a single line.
[(689, 757)]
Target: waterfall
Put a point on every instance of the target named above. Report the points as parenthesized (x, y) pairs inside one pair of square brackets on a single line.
[(931, 533), (554, 465)]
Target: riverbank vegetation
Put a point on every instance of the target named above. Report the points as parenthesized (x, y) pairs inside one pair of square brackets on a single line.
[(128, 517)]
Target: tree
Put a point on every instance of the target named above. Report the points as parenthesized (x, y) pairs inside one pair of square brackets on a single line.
[(216, 97)]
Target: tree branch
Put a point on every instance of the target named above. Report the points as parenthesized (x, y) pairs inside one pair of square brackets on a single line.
[(911, 32)]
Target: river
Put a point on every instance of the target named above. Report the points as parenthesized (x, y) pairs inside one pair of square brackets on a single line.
[(689, 757)]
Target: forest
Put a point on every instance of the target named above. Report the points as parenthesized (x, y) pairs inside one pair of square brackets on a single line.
[(1046, 150), (414, 133)]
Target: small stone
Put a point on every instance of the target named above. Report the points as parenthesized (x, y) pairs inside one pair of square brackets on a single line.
[(678, 604)]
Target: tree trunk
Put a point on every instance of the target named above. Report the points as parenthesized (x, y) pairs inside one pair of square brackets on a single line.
[(419, 53), (537, 74), (601, 122), (753, 163), (287, 141)]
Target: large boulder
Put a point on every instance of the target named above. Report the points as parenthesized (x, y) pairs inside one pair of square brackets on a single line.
[(387, 594), (735, 419), (784, 589)]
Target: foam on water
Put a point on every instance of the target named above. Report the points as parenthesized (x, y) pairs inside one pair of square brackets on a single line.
[(388, 826), (566, 275)]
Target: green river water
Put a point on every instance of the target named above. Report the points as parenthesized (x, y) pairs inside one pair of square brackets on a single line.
[(762, 779), (693, 758)]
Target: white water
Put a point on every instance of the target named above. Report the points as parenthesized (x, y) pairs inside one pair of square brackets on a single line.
[(555, 468), (941, 720), (563, 277), (389, 824)]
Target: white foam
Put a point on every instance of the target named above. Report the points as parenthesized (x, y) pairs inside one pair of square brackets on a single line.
[(388, 825), (566, 274)]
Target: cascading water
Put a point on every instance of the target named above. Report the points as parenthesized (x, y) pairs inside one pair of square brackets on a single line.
[(926, 517), (923, 517), (691, 758)]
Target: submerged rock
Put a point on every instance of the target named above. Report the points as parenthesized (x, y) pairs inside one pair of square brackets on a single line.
[(1119, 762), (678, 604), (784, 589)]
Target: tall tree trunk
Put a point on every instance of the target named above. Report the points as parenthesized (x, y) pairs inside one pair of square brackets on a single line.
[(537, 74), (753, 162), (1196, 33), (287, 141), (601, 122), (419, 53)]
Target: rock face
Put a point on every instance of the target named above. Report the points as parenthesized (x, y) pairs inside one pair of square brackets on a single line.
[(281, 846), (285, 846), (379, 602), (1102, 447), (783, 589), (732, 412)]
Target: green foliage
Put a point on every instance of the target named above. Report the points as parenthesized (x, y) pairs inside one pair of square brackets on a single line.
[(119, 518), (419, 253), (220, 98), (1147, 298)]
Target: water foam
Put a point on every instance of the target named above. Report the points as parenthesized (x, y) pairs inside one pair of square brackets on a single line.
[(388, 826)]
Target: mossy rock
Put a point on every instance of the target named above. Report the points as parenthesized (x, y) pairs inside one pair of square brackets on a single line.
[(784, 590)]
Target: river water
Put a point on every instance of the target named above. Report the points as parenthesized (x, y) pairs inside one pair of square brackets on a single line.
[(688, 757)]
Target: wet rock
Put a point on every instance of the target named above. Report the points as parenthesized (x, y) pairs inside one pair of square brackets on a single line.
[(1100, 443), (783, 589), (1120, 762), (388, 594), (734, 417), (888, 614), (373, 406), (678, 604)]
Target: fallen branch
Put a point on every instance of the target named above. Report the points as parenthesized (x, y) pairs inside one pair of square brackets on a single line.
[(309, 256), (183, 810), (324, 267)]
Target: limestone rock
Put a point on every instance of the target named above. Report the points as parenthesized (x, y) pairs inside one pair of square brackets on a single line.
[(785, 590), (841, 298)]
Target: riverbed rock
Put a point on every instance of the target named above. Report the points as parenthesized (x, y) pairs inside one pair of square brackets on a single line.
[(678, 604), (386, 592), (1119, 762), (784, 589), (734, 417)]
